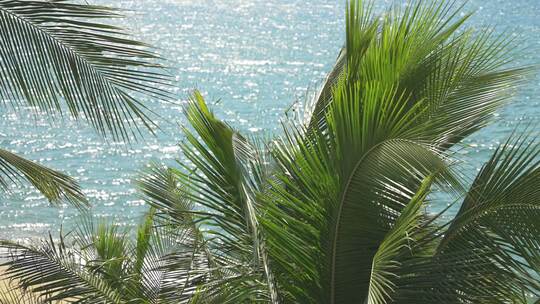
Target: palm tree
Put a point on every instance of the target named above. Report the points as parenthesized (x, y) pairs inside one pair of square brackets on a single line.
[(58, 57), (336, 209), (104, 264)]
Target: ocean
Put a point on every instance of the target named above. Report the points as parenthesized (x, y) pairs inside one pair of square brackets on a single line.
[(251, 59)]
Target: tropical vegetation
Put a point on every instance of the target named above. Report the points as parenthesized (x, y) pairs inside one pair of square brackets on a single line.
[(339, 208), (58, 57)]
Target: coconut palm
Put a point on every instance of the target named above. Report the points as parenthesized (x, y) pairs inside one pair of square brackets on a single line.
[(223, 244), (104, 264), (58, 57), (336, 210)]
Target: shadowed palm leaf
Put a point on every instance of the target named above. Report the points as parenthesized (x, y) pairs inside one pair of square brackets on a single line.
[(192, 265), (55, 186), (499, 219), (57, 54), (54, 271), (216, 200)]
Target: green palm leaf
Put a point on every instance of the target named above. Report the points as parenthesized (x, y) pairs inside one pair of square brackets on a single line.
[(497, 229), (392, 114), (308, 220), (58, 56), (489, 252), (54, 271), (54, 185), (389, 255), (460, 78), (192, 264), (225, 181), (104, 265), (350, 184), (359, 18), (160, 188)]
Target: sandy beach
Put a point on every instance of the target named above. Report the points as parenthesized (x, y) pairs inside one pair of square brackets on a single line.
[(5, 296), (8, 296), (15, 297)]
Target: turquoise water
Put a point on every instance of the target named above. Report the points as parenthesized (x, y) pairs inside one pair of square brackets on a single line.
[(255, 58)]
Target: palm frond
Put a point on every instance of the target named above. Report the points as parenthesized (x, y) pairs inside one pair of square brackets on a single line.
[(191, 264), (349, 183), (497, 228), (55, 186), (389, 255), (105, 249), (224, 182), (455, 77), (103, 264), (360, 18), (54, 272), (344, 183), (489, 252), (59, 56), (160, 188), (311, 216)]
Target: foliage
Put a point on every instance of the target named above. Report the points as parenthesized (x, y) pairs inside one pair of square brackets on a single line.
[(336, 209), (57, 53), (54, 185), (103, 264), (57, 56)]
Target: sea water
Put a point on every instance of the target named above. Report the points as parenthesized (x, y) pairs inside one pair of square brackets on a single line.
[(251, 59)]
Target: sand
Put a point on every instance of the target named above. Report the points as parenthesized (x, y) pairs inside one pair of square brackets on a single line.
[(16, 296), (9, 296)]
